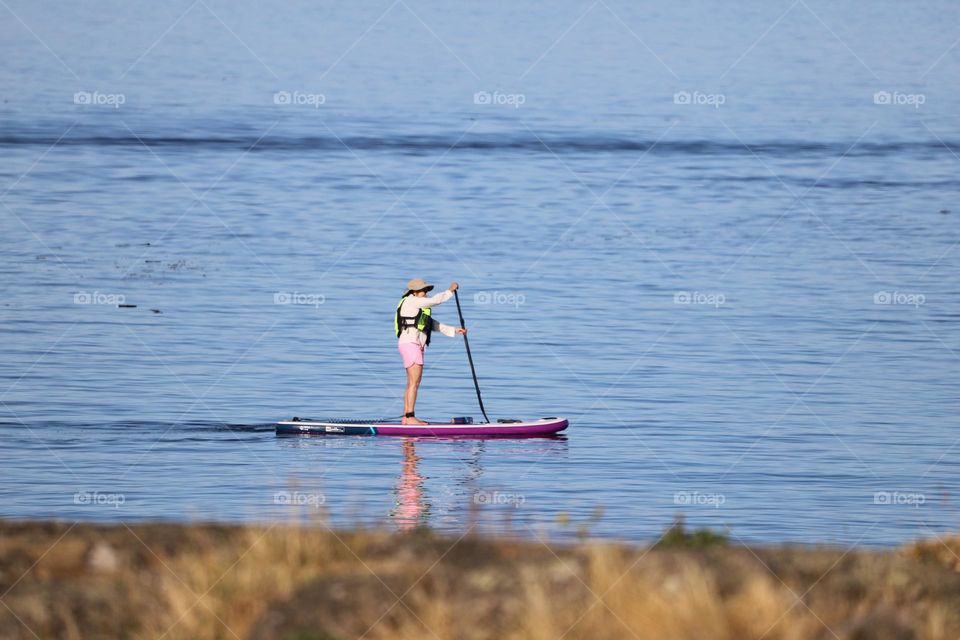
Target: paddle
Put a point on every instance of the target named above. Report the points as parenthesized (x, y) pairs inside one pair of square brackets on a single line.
[(466, 342)]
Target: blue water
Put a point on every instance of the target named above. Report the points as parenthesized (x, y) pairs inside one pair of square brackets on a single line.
[(722, 240)]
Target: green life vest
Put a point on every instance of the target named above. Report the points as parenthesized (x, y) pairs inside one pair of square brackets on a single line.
[(422, 321)]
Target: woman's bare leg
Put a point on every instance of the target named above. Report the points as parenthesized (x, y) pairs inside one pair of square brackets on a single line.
[(414, 374)]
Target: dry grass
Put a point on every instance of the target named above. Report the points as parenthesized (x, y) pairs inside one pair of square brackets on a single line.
[(291, 583)]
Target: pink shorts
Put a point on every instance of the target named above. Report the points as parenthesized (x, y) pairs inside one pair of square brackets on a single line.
[(412, 353)]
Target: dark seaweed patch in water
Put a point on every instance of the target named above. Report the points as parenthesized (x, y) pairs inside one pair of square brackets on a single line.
[(152, 267)]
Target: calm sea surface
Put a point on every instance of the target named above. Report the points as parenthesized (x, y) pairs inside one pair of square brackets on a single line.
[(721, 239)]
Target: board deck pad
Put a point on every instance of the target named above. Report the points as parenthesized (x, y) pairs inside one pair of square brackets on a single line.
[(511, 427)]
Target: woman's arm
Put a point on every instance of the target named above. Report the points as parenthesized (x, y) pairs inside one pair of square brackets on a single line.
[(446, 329), (422, 303)]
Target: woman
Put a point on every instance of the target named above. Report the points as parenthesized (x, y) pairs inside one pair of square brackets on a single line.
[(413, 326)]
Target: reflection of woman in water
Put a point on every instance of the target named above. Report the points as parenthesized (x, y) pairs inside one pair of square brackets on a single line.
[(411, 510)]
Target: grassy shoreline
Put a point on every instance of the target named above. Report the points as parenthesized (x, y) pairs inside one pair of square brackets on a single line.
[(199, 581)]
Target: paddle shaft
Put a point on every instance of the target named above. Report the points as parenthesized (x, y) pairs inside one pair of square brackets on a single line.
[(476, 385)]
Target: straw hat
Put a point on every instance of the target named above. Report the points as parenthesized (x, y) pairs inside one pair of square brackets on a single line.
[(418, 284)]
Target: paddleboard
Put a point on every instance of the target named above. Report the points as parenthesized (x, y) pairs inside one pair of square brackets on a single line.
[(540, 427)]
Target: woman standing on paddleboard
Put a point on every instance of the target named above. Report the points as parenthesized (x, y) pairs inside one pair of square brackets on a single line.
[(413, 326)]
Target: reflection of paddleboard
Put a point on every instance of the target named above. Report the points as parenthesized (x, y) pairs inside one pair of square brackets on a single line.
[(541, 427)]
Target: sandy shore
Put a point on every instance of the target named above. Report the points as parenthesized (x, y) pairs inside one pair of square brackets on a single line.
[(63, 580)]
